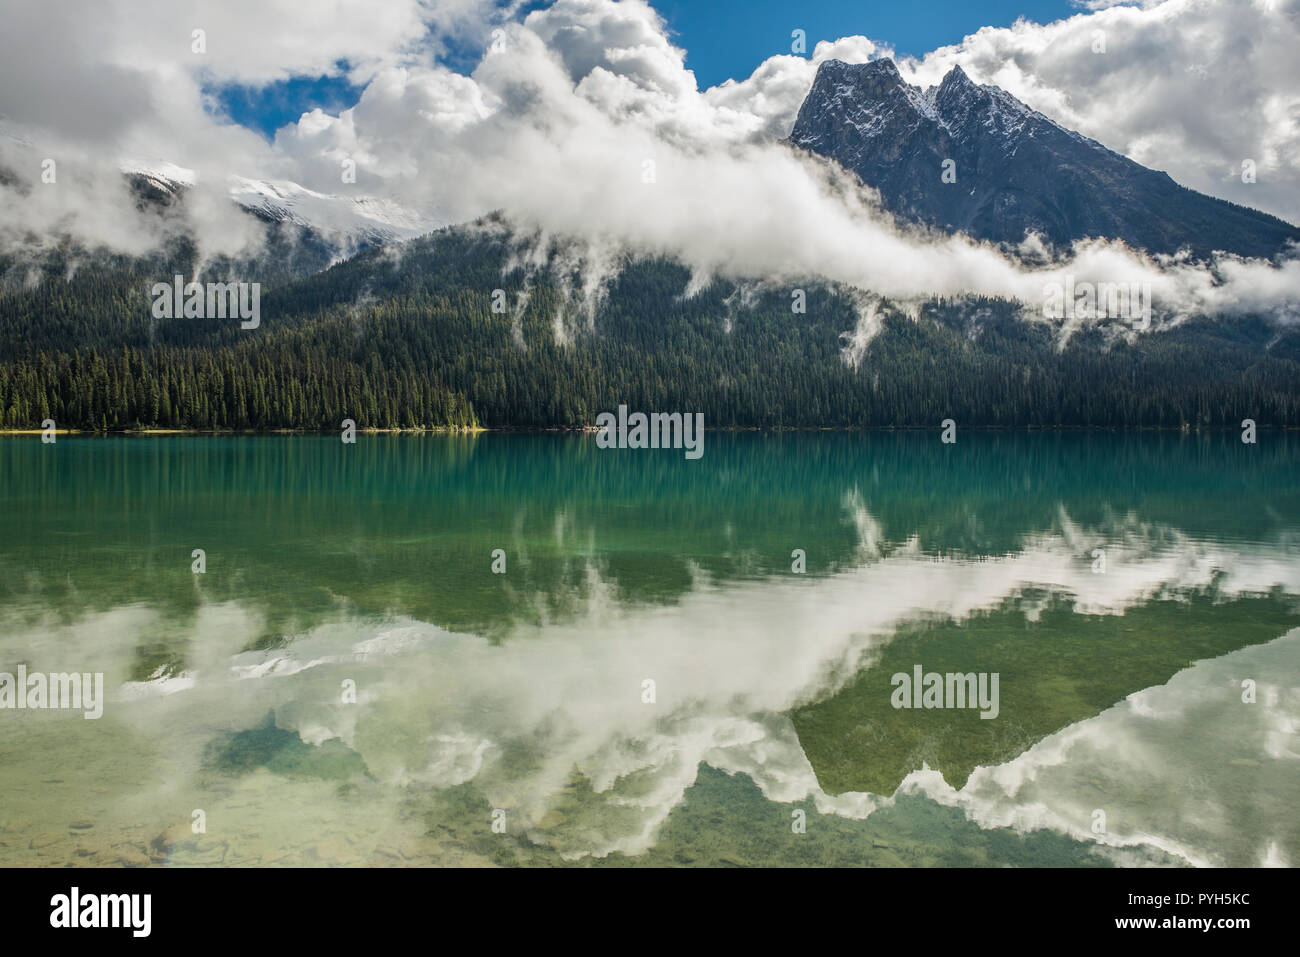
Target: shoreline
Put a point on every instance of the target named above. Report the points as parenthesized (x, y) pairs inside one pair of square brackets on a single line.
[(592, 430)]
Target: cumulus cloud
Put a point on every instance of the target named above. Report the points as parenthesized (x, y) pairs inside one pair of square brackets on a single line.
[(586, 123), (582, 121), (95, 87)]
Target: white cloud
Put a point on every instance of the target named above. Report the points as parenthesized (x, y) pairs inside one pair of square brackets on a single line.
[(560, 126), (573, 108)]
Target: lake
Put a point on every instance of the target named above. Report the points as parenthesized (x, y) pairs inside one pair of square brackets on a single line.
[(513, 649)]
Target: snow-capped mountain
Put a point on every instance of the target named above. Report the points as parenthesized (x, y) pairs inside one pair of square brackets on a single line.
[(162, 176), (365, 220), (1010, 170), (346, 223)]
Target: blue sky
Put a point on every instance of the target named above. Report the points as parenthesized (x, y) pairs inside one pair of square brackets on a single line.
[(268, 108), (722, 39), (729, 39)]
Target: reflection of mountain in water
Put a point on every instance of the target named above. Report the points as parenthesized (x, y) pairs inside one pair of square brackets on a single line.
[(978, 557), (1056, 668)]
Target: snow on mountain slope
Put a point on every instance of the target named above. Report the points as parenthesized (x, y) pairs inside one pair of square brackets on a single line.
[(348, 222), (365, 218), (161, 173)]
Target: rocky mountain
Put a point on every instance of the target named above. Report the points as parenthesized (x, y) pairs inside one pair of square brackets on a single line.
[(1012, 170)]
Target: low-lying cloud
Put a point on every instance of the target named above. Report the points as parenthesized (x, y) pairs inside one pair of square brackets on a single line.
[(581, 121)]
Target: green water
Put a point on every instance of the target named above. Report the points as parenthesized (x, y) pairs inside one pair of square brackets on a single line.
[(349, 681)]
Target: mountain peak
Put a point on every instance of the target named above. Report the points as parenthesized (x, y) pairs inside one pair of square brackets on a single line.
[(863, 82), (957, 95), (883, 66), (1016, 171), (956, 77)]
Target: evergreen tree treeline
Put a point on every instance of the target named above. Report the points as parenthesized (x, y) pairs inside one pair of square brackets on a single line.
[(411, 341)]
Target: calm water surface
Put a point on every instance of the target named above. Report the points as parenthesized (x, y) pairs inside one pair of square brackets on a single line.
[(1129, 591)]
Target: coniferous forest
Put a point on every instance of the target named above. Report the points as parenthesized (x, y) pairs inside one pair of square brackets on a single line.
[(409, 338)]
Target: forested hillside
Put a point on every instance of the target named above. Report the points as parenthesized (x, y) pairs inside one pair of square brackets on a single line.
[(409, 339)]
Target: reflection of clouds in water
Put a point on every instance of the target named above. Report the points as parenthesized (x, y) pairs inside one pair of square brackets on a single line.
[(870, 534), (436, 708), (1187, 767)]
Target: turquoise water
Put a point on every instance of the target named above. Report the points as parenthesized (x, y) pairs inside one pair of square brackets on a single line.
[(349, 681)]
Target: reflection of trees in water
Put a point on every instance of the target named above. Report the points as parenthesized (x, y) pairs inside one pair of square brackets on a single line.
[(302, 526)]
